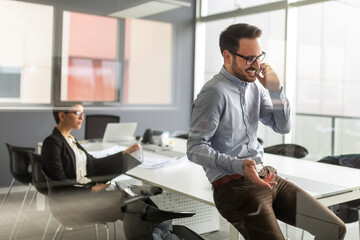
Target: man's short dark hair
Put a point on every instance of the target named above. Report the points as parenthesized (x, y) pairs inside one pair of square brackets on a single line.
[(64, 107), (229, 38)]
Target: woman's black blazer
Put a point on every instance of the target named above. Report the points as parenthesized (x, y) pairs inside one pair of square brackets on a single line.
[(59, 161)]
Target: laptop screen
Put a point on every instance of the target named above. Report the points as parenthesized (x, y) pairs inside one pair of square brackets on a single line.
[(119, 132)]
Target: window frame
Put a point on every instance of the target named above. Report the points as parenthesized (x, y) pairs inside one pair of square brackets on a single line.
[(55, 94), (290, 68)]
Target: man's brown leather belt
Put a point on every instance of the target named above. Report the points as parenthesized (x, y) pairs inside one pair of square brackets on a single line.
[(226, 179)]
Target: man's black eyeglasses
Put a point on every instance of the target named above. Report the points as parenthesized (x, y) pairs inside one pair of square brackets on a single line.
[(251, 59), (78, 114)]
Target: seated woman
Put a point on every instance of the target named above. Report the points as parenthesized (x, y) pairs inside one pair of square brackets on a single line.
[(76, 171)]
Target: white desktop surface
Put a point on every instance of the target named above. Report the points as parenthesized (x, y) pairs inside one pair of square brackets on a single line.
[(330, 184), (318, 179), (326, 182), (317, 171), (186, 178), (189, 178)]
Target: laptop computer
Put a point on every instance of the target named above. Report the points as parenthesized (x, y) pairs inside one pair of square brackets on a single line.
[(119, 132)]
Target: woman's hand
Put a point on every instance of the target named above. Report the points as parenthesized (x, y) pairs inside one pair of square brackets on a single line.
[(132, 149), (99, 187)]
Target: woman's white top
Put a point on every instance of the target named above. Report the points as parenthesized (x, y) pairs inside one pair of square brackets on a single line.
[(80, 159)]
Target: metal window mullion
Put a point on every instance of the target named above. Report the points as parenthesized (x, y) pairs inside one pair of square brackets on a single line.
[(120, 61), (57, 54)]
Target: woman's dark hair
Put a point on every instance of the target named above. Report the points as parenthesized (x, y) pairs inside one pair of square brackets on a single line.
[(64, 107), (229, 38)]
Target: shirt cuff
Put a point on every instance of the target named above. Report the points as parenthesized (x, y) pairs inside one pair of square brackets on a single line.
[(237, 166), (278, 95)]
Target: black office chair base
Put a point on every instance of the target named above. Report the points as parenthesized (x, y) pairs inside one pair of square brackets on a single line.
[(143, 220), (185, 233)]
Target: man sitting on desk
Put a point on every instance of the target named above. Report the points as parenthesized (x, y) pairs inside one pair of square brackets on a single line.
[(223, 139)]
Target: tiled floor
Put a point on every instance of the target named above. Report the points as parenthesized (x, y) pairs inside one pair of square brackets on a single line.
[(35, 223)]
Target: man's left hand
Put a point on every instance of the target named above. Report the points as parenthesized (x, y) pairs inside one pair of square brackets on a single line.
[(251, 173)]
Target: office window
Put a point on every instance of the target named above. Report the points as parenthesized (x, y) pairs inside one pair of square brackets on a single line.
[(10, 82), (26, 31), (347, 136), (210, 7), (148, 62), (89, 53), (314, 133), (91, 70), (272, 41), (326, 83)]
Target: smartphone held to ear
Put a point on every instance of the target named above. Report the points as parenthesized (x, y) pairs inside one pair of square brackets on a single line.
[(259, 70)]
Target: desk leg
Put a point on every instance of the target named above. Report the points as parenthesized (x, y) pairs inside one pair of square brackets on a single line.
[(234, 233)]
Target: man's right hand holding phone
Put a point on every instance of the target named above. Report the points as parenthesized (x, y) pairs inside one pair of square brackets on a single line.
[(269, 78)]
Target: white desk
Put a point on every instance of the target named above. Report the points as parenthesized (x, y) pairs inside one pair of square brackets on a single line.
[(329, 183)]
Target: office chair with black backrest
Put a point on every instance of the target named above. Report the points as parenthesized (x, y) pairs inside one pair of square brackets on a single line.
[(19, 168), (95, 125), (73, 206), (67, 216), (289, 150), (143, 220), (39, 180)]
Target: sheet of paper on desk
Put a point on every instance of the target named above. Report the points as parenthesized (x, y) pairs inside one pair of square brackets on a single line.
[(107, 151), (155, 160)]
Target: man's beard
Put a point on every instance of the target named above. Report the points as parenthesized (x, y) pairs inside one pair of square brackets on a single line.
[(239, 73)]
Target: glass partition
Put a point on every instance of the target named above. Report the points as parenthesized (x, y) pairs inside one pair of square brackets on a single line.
[(89, 54), (148, 62), (26, 42), (272, 41), (347, 136), (315, 134), (210, 7)]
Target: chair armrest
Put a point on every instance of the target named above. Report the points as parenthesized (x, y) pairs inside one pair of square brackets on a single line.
[(135, 190)]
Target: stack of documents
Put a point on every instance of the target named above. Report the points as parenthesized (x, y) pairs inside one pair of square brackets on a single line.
[(161, 159), (107, 151), (149, 159)]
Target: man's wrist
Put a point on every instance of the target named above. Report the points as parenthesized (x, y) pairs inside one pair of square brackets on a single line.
[(276, 89)]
